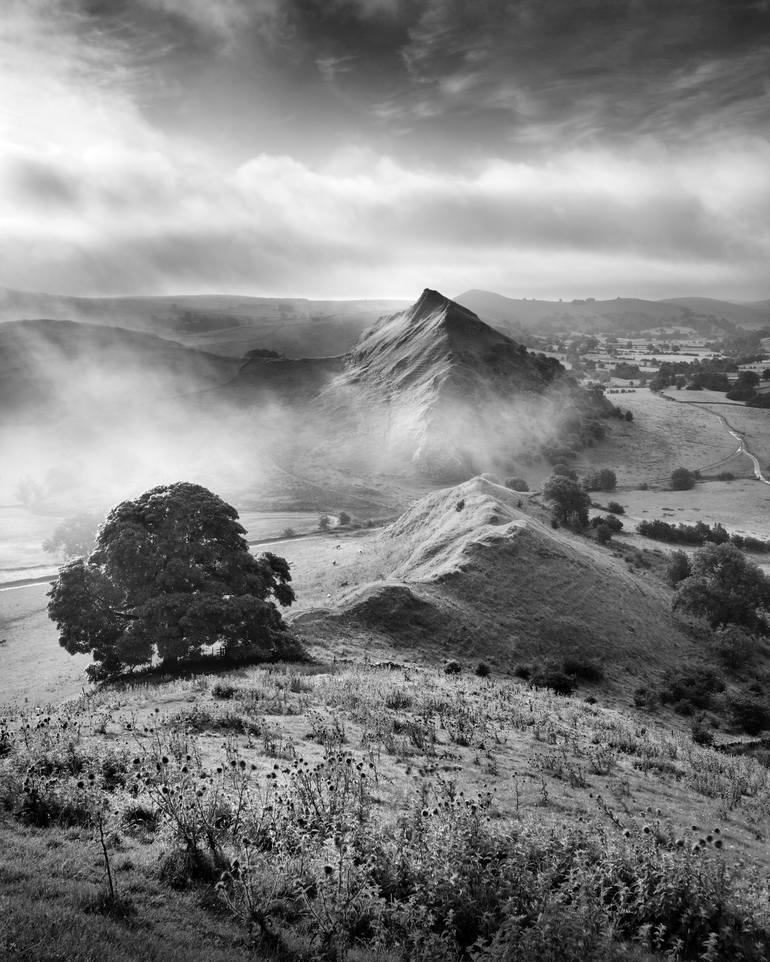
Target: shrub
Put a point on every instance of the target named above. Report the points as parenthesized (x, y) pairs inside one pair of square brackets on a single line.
[(517, 484), (603, 533), (453, 668), (682, 479), (222, 691), (344, 518), (547, 675), (610, 521), (749, 712), (692, 688), (483, 670), (701, 732), (602, 480), (678, 568), (614, 508), (582, 667), (734, 646)]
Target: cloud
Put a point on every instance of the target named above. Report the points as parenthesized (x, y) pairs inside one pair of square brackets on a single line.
[(142, 221), (96, 196)]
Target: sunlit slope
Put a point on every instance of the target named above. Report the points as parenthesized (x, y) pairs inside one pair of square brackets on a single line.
[(467, 573)]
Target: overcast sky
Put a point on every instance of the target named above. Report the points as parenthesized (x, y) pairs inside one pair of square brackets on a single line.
[(353, 148)]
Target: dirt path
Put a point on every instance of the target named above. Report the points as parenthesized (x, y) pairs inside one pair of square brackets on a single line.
[(739, 437)]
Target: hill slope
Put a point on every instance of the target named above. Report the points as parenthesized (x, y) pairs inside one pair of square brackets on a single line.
[(57, 366), (439, 389), (467, 573), (224, 324)]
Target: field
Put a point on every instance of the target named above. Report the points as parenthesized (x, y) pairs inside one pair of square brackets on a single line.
[(662, 436)]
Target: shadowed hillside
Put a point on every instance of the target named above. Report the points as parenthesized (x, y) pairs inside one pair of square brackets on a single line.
[(54, 366), (221, 323)]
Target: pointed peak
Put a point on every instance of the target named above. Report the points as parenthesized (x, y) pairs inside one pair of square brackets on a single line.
[(431, 300)]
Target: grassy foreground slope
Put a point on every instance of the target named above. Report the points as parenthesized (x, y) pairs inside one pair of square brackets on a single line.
[(366, 812)]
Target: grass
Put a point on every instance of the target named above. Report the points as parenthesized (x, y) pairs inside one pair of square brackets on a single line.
[(361, 812)]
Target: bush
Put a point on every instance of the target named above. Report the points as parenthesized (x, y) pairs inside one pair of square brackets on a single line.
[(452, 668), (701, 732), (609, 521), (603, 533), (614, 508), (344, 518), (692, 688), (547, 675), (751, 713), (582, 667), (734, 646), (678, 568), (682, 479), (483, 670), (603, 480), (517, 484)]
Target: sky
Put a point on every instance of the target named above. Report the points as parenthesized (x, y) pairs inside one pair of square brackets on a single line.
[(371, 148)]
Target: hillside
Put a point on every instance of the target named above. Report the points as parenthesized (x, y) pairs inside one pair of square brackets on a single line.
[(620, 315), (59, 366), (470, 572), (224, 324), (438, 389)]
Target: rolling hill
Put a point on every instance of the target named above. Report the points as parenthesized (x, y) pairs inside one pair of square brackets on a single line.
[(52, 367), (621, 315), (229, 325)]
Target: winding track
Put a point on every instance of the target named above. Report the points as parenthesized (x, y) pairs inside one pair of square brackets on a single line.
[(738, 435)]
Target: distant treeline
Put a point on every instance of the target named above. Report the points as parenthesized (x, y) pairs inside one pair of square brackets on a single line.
[(699, 534)]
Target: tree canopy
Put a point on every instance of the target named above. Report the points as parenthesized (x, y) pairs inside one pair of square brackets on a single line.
[(569, 501), (725, 587), (74, 537), (170, 574)]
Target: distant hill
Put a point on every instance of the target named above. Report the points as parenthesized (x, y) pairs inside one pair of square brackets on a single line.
[(742, 315), (220, 323), (49, 366), (621, 315)]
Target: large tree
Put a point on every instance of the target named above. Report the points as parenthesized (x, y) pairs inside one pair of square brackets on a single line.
[(725, 587), (569, 502), (171, 573)]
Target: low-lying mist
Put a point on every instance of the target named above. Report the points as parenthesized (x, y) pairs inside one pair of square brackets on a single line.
[(91, 417)]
